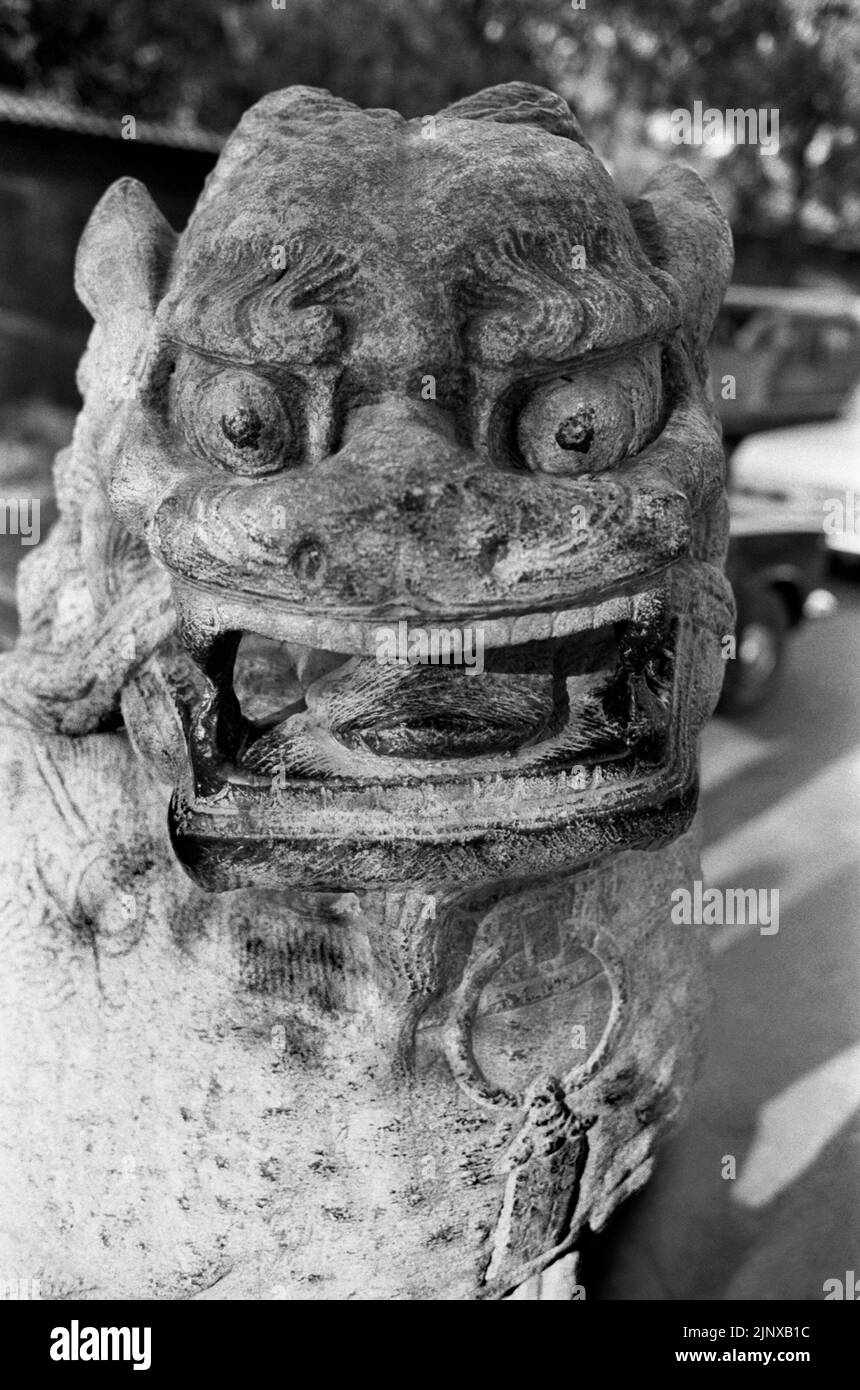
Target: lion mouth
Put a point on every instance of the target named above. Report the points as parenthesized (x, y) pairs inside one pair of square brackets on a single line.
[(325, 766), (278, 712)]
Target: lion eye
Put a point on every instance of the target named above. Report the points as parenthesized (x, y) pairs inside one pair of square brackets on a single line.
[(593, 418), (238, 421), (242, 427)]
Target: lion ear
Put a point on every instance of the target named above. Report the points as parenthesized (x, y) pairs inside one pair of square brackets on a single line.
[(121, 272), (683, 230), (124, 257)]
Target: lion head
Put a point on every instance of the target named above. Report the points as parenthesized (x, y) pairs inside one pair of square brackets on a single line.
[(394, 375)]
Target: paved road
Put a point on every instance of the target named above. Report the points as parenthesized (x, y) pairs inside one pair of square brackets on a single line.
[(781, 1088)]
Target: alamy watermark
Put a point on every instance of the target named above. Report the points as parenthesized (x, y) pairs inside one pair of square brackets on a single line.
[(842, 514), (734, 126), (841, 1290), (76, 1343), (20, 516), (403, 645), (16, 1289), (718, 907)]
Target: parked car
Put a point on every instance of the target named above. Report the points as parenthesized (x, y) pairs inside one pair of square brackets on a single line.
[(776, 565), (814, 469), (793, 356)]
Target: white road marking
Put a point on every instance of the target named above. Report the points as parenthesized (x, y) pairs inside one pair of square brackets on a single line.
[(781, 836), (794, 1127)]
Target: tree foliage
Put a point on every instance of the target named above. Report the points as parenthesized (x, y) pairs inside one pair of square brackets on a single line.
[(621, 63)]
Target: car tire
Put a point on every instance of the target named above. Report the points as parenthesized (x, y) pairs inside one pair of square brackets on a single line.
[(844, 566), (760, 634)]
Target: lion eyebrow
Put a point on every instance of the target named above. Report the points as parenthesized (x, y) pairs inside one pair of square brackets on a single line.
[(311, 270), (533, 298), (262, 303)]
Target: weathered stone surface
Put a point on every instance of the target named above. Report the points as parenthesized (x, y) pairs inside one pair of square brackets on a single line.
[(416, 1015)]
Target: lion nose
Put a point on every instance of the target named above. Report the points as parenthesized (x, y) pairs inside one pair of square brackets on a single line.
[(393, 412), (404, 457)]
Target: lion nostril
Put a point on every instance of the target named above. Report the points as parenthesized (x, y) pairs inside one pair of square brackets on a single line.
[(414, 500), (492, 553), (309, 562)]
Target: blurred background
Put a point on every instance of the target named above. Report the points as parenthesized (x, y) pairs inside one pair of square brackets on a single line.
[(781, 763)]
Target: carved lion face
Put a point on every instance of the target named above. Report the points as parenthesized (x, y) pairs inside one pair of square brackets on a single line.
[(430, 373)]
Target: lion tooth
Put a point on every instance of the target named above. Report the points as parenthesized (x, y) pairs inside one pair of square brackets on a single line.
[(244, 777)]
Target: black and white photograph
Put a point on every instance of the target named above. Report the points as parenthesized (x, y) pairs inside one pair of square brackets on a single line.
[(429, 653)]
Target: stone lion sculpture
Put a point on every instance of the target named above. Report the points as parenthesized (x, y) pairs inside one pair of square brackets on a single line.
[(327, 977)]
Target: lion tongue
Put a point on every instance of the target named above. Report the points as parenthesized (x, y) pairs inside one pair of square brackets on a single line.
[(429, 712)]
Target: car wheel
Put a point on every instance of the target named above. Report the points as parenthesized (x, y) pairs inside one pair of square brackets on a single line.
[(754, 672)]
